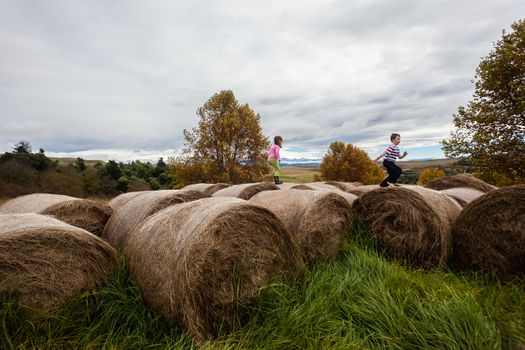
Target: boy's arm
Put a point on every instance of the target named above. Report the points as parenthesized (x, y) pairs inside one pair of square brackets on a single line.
[(379, 157), (403, 156)]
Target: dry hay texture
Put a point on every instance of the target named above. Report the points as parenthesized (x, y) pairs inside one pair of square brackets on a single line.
[(463, 180), (463, 195), (207, 189), (411, 224), (194, 262), (322, 186), (291, 185), (45, 263), (245, 191), (344, 186), (129, 216), (489, 234), (86, 214), (360, 190), (122, 199), (317, 220)]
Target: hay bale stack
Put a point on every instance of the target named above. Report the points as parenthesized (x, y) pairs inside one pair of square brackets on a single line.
[(463, 180), (317, 219), (86, 214), (344, 186), (207, 189), (463, 195), (412, 224), (129, 216), (360, 190), (195, 261), (489, 234), (45, 263), (246, 191)]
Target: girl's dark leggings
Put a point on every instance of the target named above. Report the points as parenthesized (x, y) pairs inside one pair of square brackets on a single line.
[(394, 172)]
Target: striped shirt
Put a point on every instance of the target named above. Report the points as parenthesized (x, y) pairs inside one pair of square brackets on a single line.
[(392, 153)]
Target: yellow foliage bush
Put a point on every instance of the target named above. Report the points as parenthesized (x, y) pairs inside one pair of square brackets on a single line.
[(346, 162), (428, 175)]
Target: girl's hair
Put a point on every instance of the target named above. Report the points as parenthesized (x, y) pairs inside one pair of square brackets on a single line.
[(277, 140), (393, 137)]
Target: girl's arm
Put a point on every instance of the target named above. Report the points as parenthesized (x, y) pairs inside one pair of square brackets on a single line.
[(379, 157)]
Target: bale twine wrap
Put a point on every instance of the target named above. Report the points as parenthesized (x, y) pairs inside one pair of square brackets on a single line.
[(245, 191), (86, 214), (45, 263), (318, 220), (194, 262), (463, 180), (344, 186), (128, 217), (410, 223), (122, 199), (463, 195), (489, 234), (360, 190), (207, 189)]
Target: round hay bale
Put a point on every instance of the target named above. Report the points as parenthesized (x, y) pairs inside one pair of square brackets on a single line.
[(86, 214), (410, 223), (463, 195), (129, 216), (45, 263), (245, 191), (317, 219), (123, 198), (360, 190), (207, 189), (489, 234), (321, 186), (194, 262), (344, 186), (463, 180)]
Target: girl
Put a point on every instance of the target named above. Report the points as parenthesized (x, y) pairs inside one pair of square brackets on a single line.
[(274, 159)]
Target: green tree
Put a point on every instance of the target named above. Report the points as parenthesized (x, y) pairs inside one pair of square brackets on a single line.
[(80, 165), (346, 162), (490, 130), (23, 147), (228, 144)]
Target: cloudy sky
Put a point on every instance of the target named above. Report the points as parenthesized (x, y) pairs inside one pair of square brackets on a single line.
[(122, 79)]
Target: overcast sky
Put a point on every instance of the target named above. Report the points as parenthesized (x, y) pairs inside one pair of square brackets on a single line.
[(122, 79)]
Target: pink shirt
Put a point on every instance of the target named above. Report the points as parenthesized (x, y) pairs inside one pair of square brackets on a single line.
[(274, 152)]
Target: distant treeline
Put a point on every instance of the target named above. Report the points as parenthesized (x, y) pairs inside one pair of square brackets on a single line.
[(23, 171)]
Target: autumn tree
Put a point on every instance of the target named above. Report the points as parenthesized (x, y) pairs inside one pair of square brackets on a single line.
[(346, 162), (429, 174), (226, 146), (490, 130)]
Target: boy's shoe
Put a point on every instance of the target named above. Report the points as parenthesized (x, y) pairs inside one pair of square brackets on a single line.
[(394, 184), (384, 185)]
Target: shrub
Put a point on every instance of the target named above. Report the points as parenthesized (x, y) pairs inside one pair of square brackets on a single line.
[(428, 175)]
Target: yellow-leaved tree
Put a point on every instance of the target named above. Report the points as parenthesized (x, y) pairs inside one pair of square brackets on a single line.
[(346, 162), (428, 175), (227, 146)]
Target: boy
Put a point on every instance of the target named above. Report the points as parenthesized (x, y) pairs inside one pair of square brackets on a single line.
[(390, 154)]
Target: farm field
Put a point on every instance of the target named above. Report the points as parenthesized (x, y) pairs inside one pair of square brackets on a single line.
[(359, 300)]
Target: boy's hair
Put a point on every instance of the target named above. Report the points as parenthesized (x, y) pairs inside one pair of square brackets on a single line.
[(277, 140), (393, 137)]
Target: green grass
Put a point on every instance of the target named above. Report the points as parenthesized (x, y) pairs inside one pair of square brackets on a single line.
[(360, 301)]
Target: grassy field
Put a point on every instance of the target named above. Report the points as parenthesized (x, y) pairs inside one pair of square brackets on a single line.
[(358, 301)]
